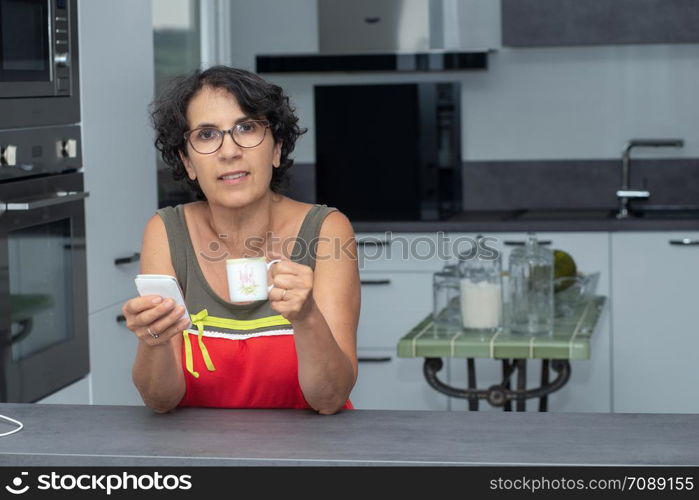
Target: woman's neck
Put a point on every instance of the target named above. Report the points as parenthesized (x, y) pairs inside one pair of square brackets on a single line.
[(243, 231)]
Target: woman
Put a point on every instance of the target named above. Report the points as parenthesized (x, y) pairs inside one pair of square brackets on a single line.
[(229, 133)]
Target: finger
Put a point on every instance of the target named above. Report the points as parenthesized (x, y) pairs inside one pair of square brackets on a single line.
[(167, 321), (279, 306), (279, 295), (288, 267), (139, 304), (153, 314), (291, 281), (164, 335)]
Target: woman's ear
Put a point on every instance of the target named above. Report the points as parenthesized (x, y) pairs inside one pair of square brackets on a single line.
[(277, 158), (188, 166)]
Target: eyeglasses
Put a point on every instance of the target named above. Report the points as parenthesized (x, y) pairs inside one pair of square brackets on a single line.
[(208, 140)]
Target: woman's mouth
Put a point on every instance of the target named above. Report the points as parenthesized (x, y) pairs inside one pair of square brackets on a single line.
[(234, 177)]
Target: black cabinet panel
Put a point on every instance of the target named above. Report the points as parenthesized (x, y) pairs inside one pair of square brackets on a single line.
[(527, 23)]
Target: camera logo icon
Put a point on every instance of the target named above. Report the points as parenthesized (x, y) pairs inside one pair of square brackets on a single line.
[(17, 483)]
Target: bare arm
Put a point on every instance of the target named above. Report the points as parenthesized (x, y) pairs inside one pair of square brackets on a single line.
[(323, 307), (157, 369)]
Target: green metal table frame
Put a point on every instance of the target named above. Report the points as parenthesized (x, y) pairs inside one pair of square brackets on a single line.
[(570, 341)]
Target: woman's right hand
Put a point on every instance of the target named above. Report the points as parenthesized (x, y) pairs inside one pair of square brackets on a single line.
[(151, 313)]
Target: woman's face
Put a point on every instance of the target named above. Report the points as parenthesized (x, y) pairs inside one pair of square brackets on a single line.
[(214, 107)]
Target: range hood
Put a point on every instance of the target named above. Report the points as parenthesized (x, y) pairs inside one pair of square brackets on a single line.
[(383, 35)]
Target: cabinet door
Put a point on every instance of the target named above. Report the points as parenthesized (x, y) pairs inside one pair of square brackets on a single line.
[(412, 252), (589, 388), (112, 353), (392, 304), (386, 382), (656, 312)]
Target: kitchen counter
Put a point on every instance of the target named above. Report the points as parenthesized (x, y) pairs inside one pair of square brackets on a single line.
[(541, 221), (74, 435)]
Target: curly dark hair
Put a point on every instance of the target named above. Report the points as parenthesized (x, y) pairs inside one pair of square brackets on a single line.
[(256, 97)]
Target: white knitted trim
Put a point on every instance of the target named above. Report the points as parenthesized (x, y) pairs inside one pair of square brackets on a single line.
[(239, 336)]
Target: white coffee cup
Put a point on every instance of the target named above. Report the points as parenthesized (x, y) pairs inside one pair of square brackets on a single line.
[(247, 278)]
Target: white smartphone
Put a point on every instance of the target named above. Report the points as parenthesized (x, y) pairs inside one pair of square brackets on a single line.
[(164, 285)]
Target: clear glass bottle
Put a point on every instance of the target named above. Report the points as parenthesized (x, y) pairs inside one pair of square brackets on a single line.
[(480, 287), (445, 310), (531, 289)]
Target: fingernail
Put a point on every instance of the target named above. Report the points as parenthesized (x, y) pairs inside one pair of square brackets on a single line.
[(157, 300)]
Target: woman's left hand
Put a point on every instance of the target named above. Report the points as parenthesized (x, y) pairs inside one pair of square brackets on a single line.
[(292, 295)]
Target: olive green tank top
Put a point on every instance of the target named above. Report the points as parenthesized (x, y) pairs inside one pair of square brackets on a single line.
[(213, 316), (197, 292)]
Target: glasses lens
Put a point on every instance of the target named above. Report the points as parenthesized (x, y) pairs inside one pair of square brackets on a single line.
[(205, 140), (250, 134)]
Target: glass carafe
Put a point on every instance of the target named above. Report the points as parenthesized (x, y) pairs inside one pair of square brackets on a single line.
[(481, 292), (446, 314), (531, 289)]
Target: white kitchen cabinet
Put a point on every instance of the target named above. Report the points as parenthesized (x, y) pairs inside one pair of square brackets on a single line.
[(402, 252), (589, 388), (655, 316), (77, 393), (116, 82), (392, 303), (396, 295), (386, 382), (112, 353)]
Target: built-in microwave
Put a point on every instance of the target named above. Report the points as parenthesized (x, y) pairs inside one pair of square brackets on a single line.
[(388, 152), (38, 63)]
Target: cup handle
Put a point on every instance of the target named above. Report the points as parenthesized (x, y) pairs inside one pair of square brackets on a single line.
[(269, 265)]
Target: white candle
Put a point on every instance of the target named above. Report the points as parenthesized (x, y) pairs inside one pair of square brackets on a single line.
[(481, 304)]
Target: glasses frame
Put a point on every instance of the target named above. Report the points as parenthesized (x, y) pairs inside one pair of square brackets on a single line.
[(188, 134)]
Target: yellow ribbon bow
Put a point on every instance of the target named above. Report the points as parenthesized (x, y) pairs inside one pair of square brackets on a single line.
[(199, 320)]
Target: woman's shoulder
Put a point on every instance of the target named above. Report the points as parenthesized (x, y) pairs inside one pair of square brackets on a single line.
[(298, 210), (289, 205), (323, 221)]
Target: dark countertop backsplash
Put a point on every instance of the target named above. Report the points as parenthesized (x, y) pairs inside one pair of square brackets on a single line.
[(576, 184), (552, 195)]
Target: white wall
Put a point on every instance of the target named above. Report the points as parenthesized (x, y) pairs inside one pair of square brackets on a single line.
[(539, 103)]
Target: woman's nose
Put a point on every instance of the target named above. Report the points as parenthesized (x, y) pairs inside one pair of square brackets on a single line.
[(229, 146)]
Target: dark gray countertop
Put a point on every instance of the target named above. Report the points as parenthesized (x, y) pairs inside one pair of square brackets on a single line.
[(75, 435), (543, 220)]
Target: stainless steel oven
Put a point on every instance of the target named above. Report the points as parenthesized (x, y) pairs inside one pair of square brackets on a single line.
[(38, 63), (43, 292)]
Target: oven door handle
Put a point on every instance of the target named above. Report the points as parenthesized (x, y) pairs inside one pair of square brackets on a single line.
[(60, 198)]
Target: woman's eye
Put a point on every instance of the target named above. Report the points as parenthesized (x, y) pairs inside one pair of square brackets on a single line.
[(247, 127), (207, 134)]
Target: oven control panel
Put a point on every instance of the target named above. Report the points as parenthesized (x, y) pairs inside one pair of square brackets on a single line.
[(61, 48), (39, 151)]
